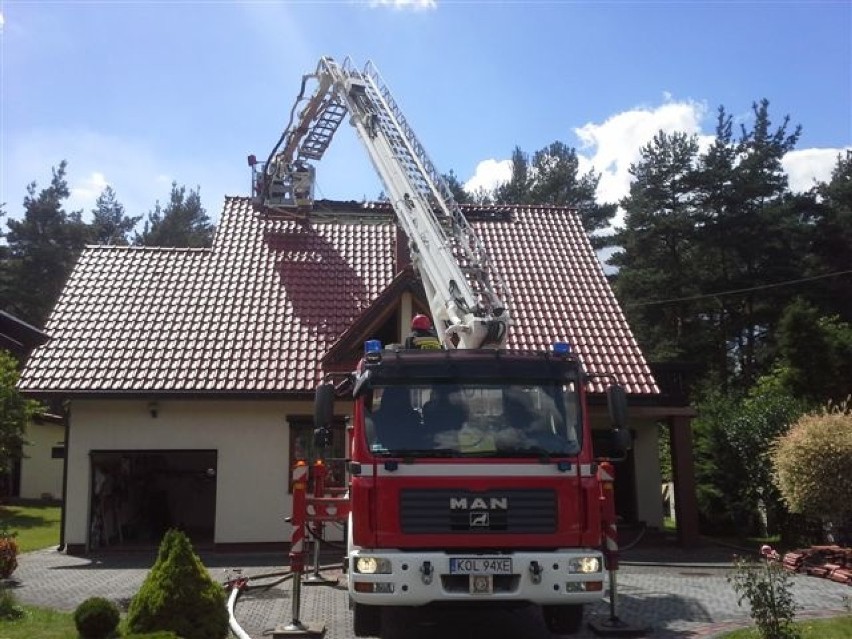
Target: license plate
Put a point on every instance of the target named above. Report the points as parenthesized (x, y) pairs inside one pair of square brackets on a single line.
[(480, 566)]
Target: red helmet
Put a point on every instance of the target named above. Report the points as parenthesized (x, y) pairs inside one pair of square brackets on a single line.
[(421, 323)]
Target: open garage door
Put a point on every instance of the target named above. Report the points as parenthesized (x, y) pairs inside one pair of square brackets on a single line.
[(136, 496)]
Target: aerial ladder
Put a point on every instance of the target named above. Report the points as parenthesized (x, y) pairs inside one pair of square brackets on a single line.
[(468, 302), (467, 297)]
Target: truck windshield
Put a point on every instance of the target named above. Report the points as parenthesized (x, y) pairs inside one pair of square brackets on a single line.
[(476, 420)]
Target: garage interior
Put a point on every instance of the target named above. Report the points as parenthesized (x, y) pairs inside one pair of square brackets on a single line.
[(136, 496)]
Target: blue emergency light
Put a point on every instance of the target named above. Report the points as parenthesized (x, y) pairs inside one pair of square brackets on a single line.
[(561, 348), (372, 346)]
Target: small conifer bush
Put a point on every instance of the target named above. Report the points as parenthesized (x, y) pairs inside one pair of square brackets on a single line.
[(179, 595), (96, 618)]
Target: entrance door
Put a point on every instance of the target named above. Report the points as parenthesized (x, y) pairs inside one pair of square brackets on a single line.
[(136, 496)]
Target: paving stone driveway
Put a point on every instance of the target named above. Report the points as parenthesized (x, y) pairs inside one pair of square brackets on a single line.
[(673, 593)]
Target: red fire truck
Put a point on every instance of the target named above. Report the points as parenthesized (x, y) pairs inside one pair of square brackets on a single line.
[(471, 474)]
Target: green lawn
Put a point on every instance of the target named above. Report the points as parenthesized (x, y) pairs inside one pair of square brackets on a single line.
[(50, 624), (37, 525), (834, 628), (39, 622)]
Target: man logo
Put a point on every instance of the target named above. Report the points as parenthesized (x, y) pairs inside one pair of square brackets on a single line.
[(479, 520), (479, 503)]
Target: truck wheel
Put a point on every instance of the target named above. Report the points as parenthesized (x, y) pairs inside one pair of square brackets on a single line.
[(366, 620), (563, 620)]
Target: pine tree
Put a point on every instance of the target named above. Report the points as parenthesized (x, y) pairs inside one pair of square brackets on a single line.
[(182, 223), (456, 188), (831, 241), (110, 225), (553, 178), (517, 189), (749, 239), (657, 257), (43, 248)]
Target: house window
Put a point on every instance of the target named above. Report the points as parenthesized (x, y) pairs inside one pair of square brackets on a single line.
[(302, 447), (57, 452)]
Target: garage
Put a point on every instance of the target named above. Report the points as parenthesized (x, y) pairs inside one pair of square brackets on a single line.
[(136, 496)]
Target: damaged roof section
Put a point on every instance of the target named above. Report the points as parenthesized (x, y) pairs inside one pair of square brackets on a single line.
[(258, 312)]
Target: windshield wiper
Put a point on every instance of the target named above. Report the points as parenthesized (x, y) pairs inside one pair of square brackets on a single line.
[(424, 452), (530, 451)]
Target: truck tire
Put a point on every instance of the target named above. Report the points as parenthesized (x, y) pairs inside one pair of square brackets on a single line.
[(563, 620), (366, 620)]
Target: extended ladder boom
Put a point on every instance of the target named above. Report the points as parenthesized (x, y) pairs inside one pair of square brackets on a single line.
[(466, 295)]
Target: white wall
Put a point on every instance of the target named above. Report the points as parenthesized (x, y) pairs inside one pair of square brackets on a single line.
[(40, 473), (646, 456), (251, 438), (649, 503), (252, 441)]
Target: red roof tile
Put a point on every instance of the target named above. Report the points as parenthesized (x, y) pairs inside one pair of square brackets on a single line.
[(258, 311)]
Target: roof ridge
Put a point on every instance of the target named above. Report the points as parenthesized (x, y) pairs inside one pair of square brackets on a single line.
[(155, 249), (380, 204)]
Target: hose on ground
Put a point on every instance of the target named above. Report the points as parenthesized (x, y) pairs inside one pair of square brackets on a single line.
[(242, 583), (232, 620)]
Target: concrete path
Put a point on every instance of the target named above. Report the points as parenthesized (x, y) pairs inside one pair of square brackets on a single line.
[(674, 593)]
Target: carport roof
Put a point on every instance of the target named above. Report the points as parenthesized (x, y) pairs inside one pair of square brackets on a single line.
[(256, 313)]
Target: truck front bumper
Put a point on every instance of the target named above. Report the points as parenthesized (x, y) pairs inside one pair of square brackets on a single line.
[(420, 578)]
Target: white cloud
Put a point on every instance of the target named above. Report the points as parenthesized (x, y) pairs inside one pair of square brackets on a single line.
[(417, 5), (85, 192), (805, 167), (610, 147), (613, 145), (489, 175)]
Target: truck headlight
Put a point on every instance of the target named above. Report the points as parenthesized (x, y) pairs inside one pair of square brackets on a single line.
[(372, 566), (584, 565)]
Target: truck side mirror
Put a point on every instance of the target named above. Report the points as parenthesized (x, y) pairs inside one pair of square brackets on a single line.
[(323, 405), (621, 441), (616, 399)]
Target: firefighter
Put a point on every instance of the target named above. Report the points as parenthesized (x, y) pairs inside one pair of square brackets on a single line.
[(422, 335)]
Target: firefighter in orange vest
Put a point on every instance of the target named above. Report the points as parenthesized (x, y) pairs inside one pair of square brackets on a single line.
[(422, 335)]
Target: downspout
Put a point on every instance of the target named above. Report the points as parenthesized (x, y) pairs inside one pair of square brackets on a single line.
[(66, 417)]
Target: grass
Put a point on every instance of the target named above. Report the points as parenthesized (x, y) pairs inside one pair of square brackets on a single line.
[(37, 525), (52, 624), (834, 628), (41, 623)]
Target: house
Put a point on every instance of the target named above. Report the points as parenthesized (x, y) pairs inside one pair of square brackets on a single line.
[(189, 373), (38, 473)]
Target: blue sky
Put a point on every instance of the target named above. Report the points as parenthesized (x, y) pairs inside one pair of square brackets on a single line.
[(137, 94)]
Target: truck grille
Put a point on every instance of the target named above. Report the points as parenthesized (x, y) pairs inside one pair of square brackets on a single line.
[(493, 511)]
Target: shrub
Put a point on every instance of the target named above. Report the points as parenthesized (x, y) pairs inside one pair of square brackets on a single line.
[(768, 589), (96, 618), (9, 608), (8, 556), (179, 595), (811, 464)]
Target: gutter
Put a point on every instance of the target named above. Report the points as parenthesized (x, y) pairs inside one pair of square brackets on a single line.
[(66, 416)]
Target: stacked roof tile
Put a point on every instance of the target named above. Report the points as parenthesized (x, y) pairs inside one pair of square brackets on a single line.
[(256, 312)]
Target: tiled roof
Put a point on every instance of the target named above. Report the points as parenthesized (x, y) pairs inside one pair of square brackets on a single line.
[(257, 311)]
